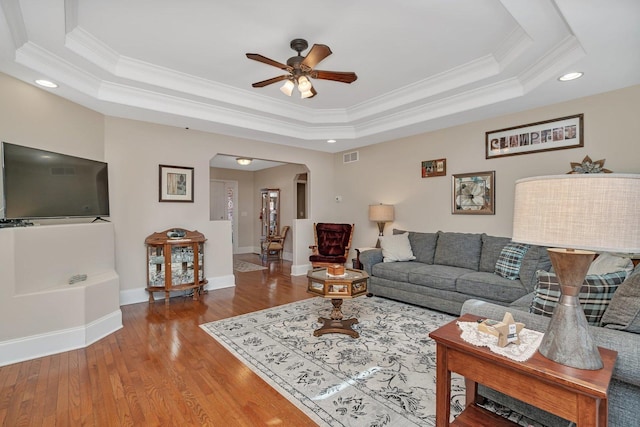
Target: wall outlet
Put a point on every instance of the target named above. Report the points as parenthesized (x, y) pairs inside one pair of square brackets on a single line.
[(338, 199)]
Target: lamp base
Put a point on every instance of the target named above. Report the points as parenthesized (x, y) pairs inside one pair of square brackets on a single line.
[(568, 340), (380, 232)]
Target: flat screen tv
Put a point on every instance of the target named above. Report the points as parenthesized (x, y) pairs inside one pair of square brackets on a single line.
[(43, 184)]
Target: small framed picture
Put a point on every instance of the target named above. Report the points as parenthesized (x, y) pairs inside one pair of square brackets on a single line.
[(176, 184), (474, 193), (434, 168)]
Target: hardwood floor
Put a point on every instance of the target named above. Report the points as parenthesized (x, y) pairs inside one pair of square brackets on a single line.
[(161, 369)]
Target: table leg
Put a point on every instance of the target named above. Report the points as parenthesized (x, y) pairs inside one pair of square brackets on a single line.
[(443, 387), (590, 413), (604, 412), (471, 392), (336, 324), (336, 313)]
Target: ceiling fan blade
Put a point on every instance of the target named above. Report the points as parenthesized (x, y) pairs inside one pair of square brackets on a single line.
[(268, 61), (338, 76), (270, 81), (317, 53)]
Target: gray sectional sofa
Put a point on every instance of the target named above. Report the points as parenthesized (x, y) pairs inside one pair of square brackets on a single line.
[(450, 268), (454, 273)]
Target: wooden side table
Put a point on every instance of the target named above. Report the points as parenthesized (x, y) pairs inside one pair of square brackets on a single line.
[(577, 395)]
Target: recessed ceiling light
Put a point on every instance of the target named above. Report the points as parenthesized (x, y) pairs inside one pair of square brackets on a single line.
[(244, 161), (331, 141), (570, 76), (46, 83)]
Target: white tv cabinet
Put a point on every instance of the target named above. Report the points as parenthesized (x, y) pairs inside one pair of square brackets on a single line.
[(40, 312)]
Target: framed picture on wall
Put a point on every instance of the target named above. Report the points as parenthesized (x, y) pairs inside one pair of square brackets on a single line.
[(556, 134), (474, 193), (176, 184), (434, 168)]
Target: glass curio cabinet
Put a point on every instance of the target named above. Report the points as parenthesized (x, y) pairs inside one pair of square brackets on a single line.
[(270, 212), (175, 262)]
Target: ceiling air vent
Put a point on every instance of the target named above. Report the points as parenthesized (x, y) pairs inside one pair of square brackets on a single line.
[(350, 157)]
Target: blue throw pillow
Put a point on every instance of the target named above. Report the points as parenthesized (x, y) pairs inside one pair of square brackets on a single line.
[(510, 260)]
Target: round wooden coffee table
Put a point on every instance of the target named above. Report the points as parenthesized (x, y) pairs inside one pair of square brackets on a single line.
[(351, 284)]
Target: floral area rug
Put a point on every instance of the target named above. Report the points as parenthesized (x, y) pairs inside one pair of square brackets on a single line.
[(244, 266), (386, 377)]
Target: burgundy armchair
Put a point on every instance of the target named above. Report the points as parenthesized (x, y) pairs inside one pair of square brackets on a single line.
[(332, 243)]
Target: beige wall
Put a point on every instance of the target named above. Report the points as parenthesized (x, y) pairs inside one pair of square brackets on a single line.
[(35, 118), (134, 151), (387, 172), (390, 172)]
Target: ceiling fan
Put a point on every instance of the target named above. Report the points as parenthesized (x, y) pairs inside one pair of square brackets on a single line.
[(300, 68)]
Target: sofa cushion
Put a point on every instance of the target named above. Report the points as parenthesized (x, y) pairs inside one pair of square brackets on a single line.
[(536, 258), (609, 263), (491, 248), (510, 260), (623, 312), (396, 271), (595, 294), (458, 250), (396, 248), (485, 285), (423, 245), (437, 276)]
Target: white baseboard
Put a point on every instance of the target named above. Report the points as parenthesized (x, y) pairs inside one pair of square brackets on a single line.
[(27, 348), (246, 250), (133, 296), (220, 282), (138, 295), (300, 270)]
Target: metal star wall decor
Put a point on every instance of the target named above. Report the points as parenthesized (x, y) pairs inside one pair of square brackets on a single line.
[(589, 166)]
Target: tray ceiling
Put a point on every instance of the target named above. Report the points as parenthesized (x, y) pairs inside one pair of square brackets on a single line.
[(421, 64)]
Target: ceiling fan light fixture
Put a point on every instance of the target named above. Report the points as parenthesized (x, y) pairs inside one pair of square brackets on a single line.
[(287, 88), (244, 161), (300, 68), (304, 85)]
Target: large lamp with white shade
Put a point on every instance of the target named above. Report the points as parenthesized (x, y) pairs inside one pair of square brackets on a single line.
[(576, 215)]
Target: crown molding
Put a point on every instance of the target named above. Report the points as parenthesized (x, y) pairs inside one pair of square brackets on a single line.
[(37, 58), (553, 63), (475, 98), (33, 56), (118, 80)]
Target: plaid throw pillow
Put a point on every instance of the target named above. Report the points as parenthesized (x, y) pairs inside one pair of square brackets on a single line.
[(510, 260), (595, 294)]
